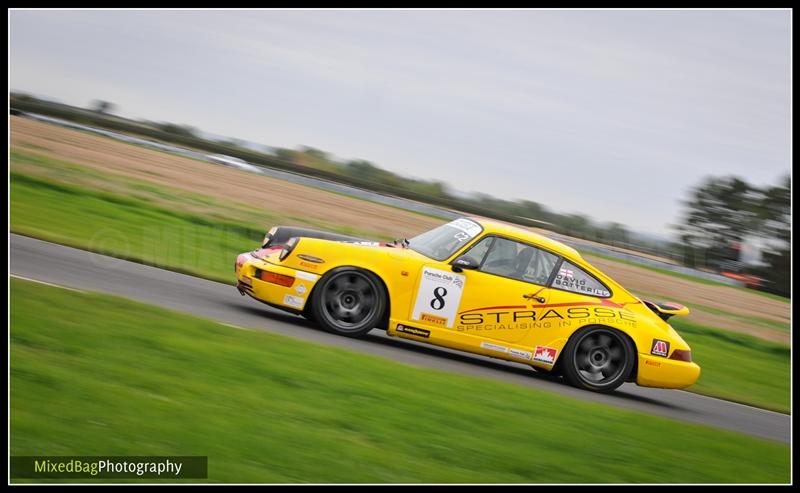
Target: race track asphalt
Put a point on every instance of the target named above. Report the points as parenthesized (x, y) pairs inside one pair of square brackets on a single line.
[(42, 261)]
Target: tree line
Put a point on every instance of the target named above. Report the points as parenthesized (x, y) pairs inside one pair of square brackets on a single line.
[(725, 213)]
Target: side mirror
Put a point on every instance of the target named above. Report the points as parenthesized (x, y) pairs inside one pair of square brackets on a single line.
[(464, 262)]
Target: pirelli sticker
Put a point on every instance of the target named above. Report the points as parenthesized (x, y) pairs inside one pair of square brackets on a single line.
[(405, 329)]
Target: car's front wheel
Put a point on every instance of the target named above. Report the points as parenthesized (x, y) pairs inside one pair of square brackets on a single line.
[(598, 359), (349, 301)]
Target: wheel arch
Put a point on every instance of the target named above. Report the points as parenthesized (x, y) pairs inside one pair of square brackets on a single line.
[(381, 283)]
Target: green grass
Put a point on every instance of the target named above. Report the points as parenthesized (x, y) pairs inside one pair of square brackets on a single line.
[(689, 277), (739, 367), (99, 375)]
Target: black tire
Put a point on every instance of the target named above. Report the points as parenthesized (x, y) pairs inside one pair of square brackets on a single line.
[(598, 359), (349, 301)]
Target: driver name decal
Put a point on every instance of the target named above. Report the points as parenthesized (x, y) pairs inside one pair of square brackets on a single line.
[(438, 297)]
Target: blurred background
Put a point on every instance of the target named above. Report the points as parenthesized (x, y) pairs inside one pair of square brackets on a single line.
[(662, 132)]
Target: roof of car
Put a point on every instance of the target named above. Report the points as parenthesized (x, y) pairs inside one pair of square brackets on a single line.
[(505, 229)]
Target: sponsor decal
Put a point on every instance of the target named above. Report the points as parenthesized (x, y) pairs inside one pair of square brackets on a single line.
[(469, 227), (311, 258), (545, 354), (520, 354), (364, 243), (657, 364), (439, 295), (569, 283), (517, 317), (405, 329), (308, 265), (494, 347), (293, 301), (660, 348), (301, 289), (247, 280), (433, 319), (306, 276)]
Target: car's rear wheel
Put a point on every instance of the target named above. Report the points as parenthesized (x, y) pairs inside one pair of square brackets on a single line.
[(349, 301), (598, 359)]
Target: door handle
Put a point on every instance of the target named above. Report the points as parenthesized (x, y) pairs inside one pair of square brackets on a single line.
[(533, 297)]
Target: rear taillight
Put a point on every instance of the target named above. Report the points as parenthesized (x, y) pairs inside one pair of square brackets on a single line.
[(274, 278), (681, 355)]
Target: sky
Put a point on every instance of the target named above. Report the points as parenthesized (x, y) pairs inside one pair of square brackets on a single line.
[(615, 114)]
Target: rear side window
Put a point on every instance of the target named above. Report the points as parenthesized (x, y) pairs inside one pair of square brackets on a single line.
[(576, 280)]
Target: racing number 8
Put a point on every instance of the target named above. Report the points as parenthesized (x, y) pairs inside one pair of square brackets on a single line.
[(437, 303)]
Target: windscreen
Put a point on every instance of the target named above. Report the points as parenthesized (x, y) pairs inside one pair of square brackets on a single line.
[(442, 242)]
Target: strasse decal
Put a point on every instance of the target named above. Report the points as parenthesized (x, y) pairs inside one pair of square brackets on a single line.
[(545, 354), (660, 348), (522, 317)]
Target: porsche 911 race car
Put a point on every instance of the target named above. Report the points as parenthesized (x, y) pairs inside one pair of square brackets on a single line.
[(478, 286)]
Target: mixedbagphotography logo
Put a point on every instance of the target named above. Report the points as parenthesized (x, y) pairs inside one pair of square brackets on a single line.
[(54, 467)]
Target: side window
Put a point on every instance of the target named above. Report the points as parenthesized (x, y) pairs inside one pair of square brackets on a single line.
[(576, 280), (478, 250), (519, 261)]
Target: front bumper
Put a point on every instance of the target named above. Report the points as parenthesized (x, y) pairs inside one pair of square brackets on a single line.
[(292, 297), (655, 371)]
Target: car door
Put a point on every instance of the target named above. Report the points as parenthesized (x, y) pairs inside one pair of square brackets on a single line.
[(498, 299)]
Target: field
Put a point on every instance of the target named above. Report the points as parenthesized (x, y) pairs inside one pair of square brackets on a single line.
[(95, 374)]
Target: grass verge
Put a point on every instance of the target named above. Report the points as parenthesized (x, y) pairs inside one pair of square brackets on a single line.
[(98, 375), (739, 367), (137, 221)]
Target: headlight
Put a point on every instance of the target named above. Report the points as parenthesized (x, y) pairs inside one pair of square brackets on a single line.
[(268, 237), (288, 248)]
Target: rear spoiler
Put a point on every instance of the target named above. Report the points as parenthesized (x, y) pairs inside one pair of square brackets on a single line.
[(666, 309), (279, 235)]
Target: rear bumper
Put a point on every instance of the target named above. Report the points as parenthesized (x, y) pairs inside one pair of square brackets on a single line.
[(665, 373)]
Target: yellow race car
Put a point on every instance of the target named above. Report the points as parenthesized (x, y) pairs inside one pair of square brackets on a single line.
[(478, 286)]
